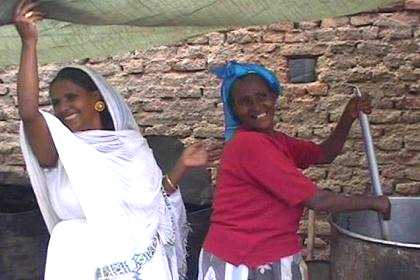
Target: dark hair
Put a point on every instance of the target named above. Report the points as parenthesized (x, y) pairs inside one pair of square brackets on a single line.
[(83, 80), (77, 76)]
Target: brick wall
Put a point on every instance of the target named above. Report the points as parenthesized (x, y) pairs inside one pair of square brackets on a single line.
[(171, 92)]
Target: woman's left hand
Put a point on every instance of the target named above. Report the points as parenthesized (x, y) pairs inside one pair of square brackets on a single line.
[(356, 105), (200, 154)]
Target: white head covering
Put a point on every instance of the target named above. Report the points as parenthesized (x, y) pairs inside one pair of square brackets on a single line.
[(120, 113)]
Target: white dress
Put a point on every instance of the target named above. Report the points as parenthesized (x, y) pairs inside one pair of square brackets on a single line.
[(103, 204)]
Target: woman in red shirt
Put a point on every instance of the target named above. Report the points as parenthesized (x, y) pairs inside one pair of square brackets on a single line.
[(261, 191)]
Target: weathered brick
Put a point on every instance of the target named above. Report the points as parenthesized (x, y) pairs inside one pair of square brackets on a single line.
[(261, 48), (416, 32), (390, 143), (396, 33), (357, 75), (335, 22), (302, 50), (394, 171), (273, 37), (342, 48), (382, 74), (404, 46), (307, 25), (199, 40), (373, 48), (355, 34), (412, 139), (157, 66), (397, 20), (394, 61), (294, 90), (188, 64), (409, 102), (317, 88), (4, 89), (207, 131), (281, 26), (315, 173), (411, 117), (295, 37), (323, 131), (326, 35), (216, 38), (413, 173), (340, 173), (350, 160), (401, 157), (241, 37), (408, 188), (385, 116), (132, 66), (362, 20), (181, 131), (106, 68)]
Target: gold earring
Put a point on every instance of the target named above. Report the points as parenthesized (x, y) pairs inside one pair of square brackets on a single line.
[(99, 106)]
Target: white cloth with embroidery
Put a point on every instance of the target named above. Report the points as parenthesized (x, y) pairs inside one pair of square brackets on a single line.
[(118, 186)]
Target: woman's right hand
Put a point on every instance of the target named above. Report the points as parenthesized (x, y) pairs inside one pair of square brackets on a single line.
[(25, 17), (383, 206)]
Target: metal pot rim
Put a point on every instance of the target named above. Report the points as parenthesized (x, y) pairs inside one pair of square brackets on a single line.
[(376, 240)]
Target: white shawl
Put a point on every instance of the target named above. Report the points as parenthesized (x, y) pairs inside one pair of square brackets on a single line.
[(117, 182)]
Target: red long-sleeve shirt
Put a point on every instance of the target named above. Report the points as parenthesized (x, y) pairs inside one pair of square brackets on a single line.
[(258, 197)]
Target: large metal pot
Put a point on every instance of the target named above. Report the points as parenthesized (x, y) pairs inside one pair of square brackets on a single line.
[(359, 253)]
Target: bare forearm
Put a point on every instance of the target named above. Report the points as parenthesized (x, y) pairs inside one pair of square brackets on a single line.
[(196, 155), (28, 82), (174, 176), (333, 146), (328, 201)]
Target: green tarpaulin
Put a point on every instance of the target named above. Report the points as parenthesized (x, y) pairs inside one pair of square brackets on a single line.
[(90, 28)]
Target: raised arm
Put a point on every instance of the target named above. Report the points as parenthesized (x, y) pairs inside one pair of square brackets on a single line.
[(195, 155), (35, 127), (333, 145)]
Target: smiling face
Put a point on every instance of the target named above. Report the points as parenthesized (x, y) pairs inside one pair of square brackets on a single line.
[(254, 103), (75, 106)]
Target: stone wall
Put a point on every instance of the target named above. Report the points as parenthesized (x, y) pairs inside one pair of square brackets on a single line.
[(171, 92)]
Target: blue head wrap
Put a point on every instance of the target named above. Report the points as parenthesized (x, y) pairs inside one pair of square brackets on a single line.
[(230, 72)]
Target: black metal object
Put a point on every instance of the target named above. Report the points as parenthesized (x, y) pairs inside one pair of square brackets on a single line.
[(23, 235), (302, 70), (196, 186), (196, 190)]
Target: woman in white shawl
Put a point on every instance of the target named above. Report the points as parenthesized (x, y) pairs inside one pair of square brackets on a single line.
[(101, 193)]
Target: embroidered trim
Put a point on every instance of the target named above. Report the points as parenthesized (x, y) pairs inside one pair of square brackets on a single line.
[(134, 265), (182, 271), (171, 241)]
